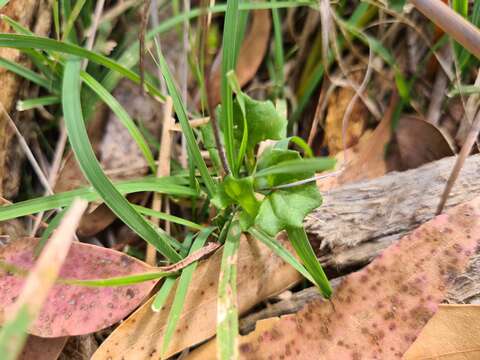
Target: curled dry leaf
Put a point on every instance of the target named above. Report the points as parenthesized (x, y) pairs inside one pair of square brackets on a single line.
[(252, 52), (451, 334), (416, 142), (38, 348), (76, 310), (260, 275), (378, 312)]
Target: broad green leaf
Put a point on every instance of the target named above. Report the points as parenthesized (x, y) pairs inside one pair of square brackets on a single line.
[(242, 192), (78, 137), (227, 313), (263, 122), (287, 208)]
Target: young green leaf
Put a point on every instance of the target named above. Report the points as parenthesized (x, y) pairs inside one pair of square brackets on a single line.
[(82, 148)]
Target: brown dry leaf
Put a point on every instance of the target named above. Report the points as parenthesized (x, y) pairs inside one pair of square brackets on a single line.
[(416, 142), (38, 348), (250, 57), (452, 334), (366, 160), (44, 273), (261, 274), (337, 105), (377, 312)]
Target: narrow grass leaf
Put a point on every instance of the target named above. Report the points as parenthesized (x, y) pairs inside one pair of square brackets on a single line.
[(72, 17), (278, 249), (296, 166), (27, 74), (117, 281), (228, 64), (182, 288), (162, 295), (299, 240), (227, 312), (23, 42), (90, 166), (123, 116), (160, 185), (181, 112), (167, 217), (28, 104)]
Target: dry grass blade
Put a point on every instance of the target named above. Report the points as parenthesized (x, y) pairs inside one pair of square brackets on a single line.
[(39, 282)]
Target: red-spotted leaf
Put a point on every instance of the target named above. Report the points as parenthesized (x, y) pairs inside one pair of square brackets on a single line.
[(377, 312), (71, 309)]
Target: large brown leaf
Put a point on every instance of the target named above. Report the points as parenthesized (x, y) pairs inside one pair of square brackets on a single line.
[(260, 275), (70, 309), (452, 334), (379, 311)]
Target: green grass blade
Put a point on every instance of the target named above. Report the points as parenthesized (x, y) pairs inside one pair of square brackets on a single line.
[(123, 116), (278, 55), (161, 185), (13, 334), (278, 249), (72, 17), (227, 313), (162, 295), (228, 64), (23, 42), (52, 225), (77, 134), (168, 217), (181, 292), (181, 112), (29, 104), (117, 281), (298, 165), (27, 74), (299, 240)]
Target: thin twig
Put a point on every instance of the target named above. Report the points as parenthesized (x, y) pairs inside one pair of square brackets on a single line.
[(466, 149), (54, 168), (163, 169), (141, 40), (197, 255), (26, 149), (452, 23), (93, 29), (155, 22)]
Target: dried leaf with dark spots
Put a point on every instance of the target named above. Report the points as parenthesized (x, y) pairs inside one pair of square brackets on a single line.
[(76, 310)]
